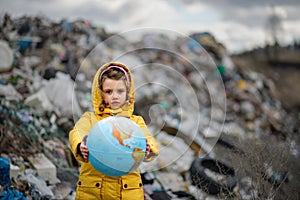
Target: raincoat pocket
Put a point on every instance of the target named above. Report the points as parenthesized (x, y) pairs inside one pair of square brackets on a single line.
[(89, 189), (132, 187)]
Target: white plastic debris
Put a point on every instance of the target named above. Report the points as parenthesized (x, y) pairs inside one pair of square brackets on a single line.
[(44, 167), (40, 101), (6, 57), (10, 92), (60, 92)]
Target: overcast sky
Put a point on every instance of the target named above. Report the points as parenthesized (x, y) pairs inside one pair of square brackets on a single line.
[(238, 24)]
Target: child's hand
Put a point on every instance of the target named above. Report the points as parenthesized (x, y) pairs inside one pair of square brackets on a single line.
[(83, 149), (147, 150)]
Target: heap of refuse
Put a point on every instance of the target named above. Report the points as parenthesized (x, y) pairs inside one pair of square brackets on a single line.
[(187, 89)]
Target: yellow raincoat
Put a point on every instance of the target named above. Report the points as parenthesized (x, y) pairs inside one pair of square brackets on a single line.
[(92, 184)]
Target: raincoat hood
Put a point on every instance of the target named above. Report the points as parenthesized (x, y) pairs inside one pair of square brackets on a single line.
[(127, 109)]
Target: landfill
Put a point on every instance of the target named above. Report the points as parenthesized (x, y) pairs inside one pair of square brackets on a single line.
[(204, 111)]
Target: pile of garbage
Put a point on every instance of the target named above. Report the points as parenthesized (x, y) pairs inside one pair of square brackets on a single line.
[(187, 89)]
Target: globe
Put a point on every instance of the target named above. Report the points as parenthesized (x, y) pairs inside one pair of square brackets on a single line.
[(116, 146)]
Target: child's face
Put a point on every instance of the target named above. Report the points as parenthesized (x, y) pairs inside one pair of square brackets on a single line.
[(114, 93)]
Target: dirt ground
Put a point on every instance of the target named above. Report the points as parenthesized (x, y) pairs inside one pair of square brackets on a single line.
[(286, 77), (249, 163)]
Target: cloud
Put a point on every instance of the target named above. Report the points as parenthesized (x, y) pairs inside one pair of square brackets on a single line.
[(252, 13), (238, 4), (237, 23), (144, 14)]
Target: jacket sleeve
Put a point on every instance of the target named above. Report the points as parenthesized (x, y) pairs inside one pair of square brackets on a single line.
[(81, 128), (154, 146)]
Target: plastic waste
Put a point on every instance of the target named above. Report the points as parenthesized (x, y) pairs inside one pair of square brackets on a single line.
[(12, 194), (6, 57), (4, 172)]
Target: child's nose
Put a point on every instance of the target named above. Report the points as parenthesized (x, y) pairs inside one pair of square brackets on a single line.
[(115, 95)]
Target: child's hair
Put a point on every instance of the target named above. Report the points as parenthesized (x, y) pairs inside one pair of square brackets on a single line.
[(115, 73)]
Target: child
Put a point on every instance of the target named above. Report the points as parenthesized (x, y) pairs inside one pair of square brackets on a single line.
[(112, 94)]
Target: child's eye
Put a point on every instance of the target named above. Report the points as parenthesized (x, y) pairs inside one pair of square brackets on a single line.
[(120, 91), (108, 91)]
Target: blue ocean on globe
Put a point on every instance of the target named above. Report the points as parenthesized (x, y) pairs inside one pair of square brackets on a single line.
[(116, 146)]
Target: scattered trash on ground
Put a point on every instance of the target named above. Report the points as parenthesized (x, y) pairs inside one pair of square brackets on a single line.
[(43, 62)]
